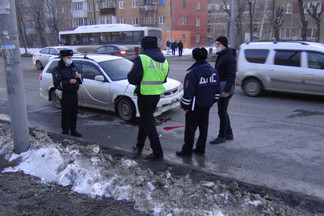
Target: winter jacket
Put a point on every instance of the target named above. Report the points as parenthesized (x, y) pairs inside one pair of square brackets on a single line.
[(180, 45), (62, 75), (226, 67), (136, 73), (201, 86)]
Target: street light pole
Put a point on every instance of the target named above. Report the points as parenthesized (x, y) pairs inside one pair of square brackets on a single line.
[(15, 86)]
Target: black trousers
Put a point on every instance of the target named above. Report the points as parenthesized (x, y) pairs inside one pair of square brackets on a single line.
[(146, 128), (69, 107), (180, 52), (197, 118), (224, 121)]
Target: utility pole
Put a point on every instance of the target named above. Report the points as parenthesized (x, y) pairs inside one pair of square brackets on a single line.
[(232, 33), (15, 86)]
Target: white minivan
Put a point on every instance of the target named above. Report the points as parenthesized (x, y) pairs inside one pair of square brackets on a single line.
[(296, 66)]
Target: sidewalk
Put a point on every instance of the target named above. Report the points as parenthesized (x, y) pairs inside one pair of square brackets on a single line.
[(171, 186)]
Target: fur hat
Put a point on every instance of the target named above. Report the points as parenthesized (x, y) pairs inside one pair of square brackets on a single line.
[(66, 52), (223, 40), (149, 42), (199, 53)]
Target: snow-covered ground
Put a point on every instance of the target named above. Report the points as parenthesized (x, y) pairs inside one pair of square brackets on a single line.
[(87, 170)]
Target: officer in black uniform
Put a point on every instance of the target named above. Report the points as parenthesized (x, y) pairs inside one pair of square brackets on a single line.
[(67, 79), (201, 91)]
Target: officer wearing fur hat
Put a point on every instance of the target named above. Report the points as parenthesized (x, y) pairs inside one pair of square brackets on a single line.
[(226, 67), (67, 79), (201, 91), (149, 72)]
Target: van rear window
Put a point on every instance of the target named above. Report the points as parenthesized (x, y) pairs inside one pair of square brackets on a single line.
[(256, 55)]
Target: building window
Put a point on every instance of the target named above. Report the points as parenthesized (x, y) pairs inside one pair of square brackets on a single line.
[(161, 2), (183, 38), (77, 6), (162, 19), (183, 20), (122, 20), (184, 3), (134, 21), (198, 5), (224, 26), (197, 38), (217, 7), (216, 27), (121, 4), (289, 9), (198, 22), (134, 3), (89, 8), (62, 10), (284, 33), (226, 6)]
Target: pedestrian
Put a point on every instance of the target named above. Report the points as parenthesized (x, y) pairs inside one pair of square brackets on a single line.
[(149, 72), (173, 47), (201, 91), (226, 67), (67, 79), (168, 45), (180, 47)]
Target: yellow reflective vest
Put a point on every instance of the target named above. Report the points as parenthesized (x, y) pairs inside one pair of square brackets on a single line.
[(154, 74)]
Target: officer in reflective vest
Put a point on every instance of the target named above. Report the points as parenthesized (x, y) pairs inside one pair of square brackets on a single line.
[(149, 72)]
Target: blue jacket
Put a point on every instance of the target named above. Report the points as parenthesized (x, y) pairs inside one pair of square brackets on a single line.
[(201, 86)]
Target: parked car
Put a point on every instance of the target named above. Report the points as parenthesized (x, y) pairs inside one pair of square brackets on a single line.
[(105, 86), (42, 56), (117, 50), (281, 66)]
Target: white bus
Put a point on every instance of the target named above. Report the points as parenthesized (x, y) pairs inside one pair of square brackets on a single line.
[(87, 38)]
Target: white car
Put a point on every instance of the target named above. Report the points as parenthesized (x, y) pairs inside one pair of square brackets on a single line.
[(42, 56), (105, 86), (281, 66)]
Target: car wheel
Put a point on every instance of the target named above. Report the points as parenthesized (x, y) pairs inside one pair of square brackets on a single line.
[(56, 100), (39, 65), (252, 87), (126, 109)]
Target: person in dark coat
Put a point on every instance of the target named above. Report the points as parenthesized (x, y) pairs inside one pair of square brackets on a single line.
[(201, 91), (67, 79), (173, 47), (180, 47), (149, 72), (168, 45), (226, 67)]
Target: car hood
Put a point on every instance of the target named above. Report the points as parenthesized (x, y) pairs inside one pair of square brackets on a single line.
[(170, 84)]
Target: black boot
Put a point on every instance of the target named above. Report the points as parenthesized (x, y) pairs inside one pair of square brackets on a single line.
[(75, 133)]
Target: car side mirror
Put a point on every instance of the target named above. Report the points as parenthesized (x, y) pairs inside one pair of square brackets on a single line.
[(100, 78)]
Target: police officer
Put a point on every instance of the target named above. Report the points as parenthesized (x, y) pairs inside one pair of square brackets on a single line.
[(67, 79), (201, 91), (149, 72)]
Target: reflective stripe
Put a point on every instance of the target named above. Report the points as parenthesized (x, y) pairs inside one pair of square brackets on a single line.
[(151, 82)]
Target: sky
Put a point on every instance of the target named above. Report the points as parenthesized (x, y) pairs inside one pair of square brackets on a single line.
[(88, 171)]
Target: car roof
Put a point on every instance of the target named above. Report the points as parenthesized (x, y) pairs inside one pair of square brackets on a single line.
[(96, 57), (115, 45), (293, 45)]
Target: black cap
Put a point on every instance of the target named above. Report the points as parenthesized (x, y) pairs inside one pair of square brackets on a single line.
[(66, 52), (149, 42), (223, 40), (199, 53)]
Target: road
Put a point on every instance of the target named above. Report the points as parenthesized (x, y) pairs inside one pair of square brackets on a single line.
[(278, 138)]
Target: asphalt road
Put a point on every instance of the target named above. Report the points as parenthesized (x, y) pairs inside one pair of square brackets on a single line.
[(278, 138)]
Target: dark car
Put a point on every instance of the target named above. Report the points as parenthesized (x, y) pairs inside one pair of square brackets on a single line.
[(117, 50)]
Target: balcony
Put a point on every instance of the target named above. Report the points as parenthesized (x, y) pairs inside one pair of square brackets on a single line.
[(147, 8), (107, 4)]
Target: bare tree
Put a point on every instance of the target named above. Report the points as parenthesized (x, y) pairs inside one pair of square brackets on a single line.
[(251, 16), (21, 24), (316, 16), (240, 6), (36, 11), (278, 21), (52, 7), (227, 18), (302, 20)]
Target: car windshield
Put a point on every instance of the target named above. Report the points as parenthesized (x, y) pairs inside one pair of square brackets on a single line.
[(117, 69)]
